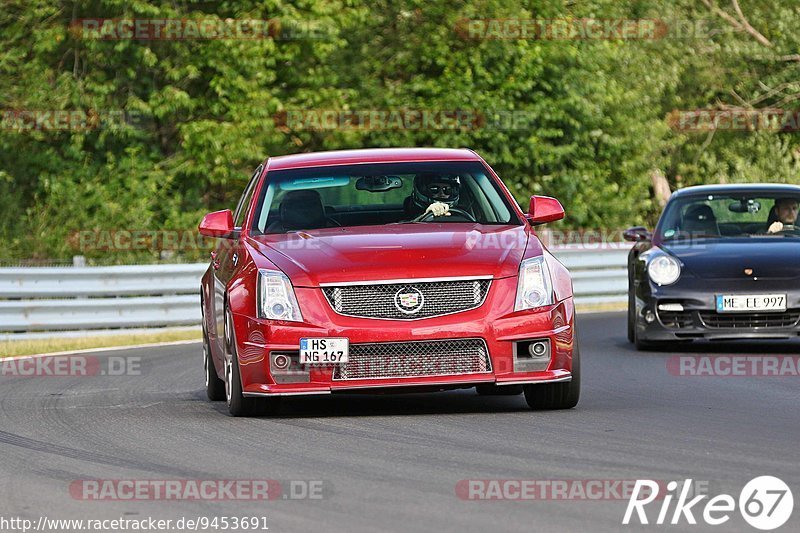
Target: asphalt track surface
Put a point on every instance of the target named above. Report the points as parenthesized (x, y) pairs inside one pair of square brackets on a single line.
[(392, 462)]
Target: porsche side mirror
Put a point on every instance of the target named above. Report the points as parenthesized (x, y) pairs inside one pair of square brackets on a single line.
[(636, 234), (543, 209), (218, 224)]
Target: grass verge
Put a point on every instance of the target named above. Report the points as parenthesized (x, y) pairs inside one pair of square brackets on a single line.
[(9, 348), (601, 308)]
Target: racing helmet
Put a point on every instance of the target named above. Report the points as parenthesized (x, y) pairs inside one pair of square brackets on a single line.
[(430, 188)]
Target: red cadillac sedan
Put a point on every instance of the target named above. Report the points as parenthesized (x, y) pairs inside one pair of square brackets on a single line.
[(399, 270)]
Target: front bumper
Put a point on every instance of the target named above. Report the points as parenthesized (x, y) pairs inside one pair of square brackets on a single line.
[(699, 319), (258, 341)]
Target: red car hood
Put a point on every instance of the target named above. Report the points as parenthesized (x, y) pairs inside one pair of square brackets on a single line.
[(402, 251)]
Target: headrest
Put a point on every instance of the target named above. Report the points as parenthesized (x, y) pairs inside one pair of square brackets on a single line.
[(302, 210)]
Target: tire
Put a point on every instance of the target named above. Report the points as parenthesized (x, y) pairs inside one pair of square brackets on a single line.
[(215, 387), (638, 343), (631, 310), (643, 345), (490, 389), (238, 405), (551, 396), (633, 331)]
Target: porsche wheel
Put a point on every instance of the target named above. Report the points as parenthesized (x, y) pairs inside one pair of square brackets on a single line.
[(642, 344), (631, 310)]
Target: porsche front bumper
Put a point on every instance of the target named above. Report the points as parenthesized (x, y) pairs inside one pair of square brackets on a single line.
[(688, 311)]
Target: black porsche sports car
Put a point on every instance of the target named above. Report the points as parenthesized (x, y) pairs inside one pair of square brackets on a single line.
[(723, 263)]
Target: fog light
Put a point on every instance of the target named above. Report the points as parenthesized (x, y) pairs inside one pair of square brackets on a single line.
[(281, 362), (649, 317), (537, 349), (532, 355)]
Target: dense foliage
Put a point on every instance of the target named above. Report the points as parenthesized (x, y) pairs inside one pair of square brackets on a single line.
[(200, 114)]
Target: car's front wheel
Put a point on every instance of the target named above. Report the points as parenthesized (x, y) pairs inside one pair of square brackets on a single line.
[(215, 387), (634, 335), (641, 343), (631, 309), (563, 395), (238, 405)]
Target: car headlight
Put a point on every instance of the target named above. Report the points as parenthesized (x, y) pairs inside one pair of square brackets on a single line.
[(535, 288), (276, 299), (664, 269)]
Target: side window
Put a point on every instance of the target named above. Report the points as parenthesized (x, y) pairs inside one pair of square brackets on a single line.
[(241, 209)]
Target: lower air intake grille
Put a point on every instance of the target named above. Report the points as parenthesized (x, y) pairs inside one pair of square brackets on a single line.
[(676, 319), (750, 320), (415, 359)]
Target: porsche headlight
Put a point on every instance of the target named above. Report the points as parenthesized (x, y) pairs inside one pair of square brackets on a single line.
[(534, 289), (664, 269), (276, 299)]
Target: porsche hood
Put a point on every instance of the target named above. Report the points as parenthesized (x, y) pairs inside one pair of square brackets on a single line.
[(767, 258)]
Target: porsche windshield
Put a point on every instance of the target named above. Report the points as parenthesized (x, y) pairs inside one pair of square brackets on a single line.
[(377, 194), (730, 216)]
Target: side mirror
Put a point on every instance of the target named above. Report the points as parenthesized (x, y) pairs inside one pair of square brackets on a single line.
[(218, 224), (543, 209), (636, 234)]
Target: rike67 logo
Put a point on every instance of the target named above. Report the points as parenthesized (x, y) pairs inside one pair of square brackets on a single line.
[(765, 503)]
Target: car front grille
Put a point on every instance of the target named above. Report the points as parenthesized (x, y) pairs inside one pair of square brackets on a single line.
[(750, 320), (676, 319), (415, 359), (407, 300)]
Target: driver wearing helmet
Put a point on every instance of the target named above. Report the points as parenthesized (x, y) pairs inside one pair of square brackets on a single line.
[(433, 193)]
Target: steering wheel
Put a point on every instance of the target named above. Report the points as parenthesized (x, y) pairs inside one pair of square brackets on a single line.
[(460, 212), (337, 223), (790, 227)]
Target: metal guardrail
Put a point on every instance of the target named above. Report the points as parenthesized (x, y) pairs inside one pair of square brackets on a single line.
[(86, 298), (599, 276), (90, 298)]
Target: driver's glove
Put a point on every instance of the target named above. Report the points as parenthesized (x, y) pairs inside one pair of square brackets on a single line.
[(775, 227), (438, 209)]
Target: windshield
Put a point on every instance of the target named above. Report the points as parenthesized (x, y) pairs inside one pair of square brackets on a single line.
[(730, 216), (377, 194)]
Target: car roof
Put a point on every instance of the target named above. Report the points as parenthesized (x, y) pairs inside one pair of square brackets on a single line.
[(370, 155), (734, 188)]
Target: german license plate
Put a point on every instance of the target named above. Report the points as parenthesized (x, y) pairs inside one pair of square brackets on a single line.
[(324, 350), (736, 303)]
